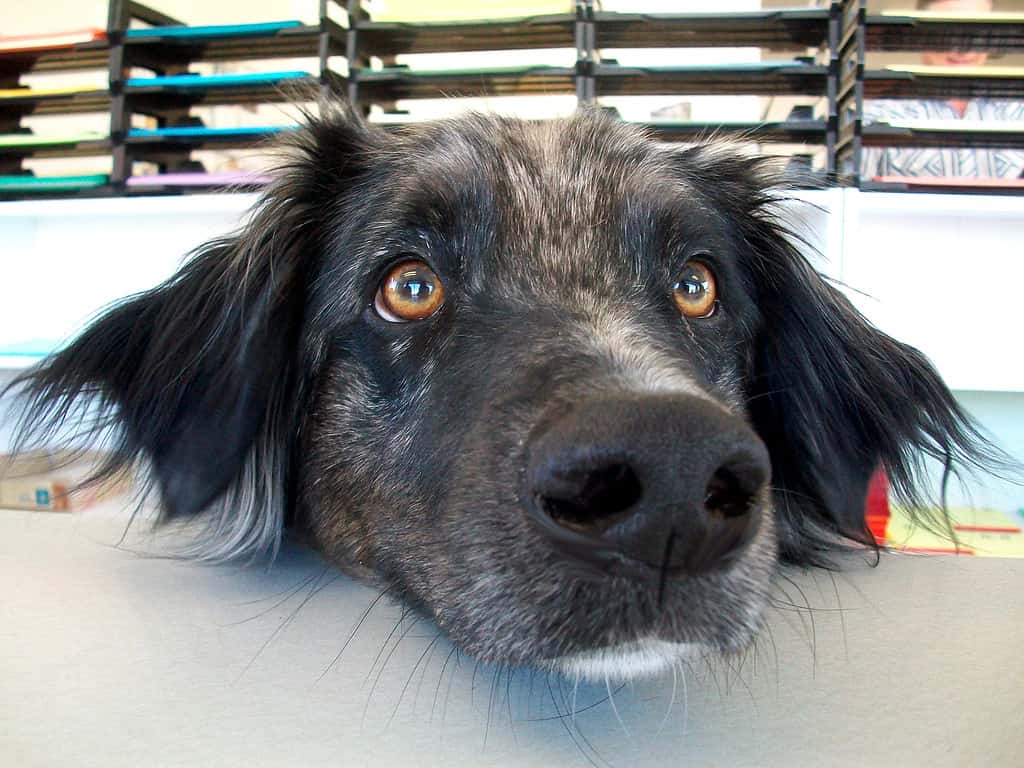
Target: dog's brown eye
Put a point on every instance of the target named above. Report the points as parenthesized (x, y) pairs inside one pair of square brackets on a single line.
[(696, 292), (410, 291)]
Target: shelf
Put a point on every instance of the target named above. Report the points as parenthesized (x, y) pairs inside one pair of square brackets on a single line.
[(158, 47), (54, 101), (934, 32), (944, 83), (758, 78), (195, 182), (159, 102), (885, 135), (947, 185), (396, 83), (31, 145), (33, 184), (789, 131), (777, 30), (153, 95), (199, 137), (191, 82), (185, 32), (924, 31), (395, 38), (168, 49), (61, 51)]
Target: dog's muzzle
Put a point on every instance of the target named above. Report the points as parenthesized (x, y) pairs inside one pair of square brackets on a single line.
[(646, 486)]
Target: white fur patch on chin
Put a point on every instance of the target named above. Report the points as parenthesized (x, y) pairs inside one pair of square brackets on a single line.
[(626, 661)]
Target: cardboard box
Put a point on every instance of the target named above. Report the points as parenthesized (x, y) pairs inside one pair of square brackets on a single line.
[(50, 481), (35, 493)]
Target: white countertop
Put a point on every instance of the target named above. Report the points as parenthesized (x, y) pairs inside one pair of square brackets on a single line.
[(111, 659)]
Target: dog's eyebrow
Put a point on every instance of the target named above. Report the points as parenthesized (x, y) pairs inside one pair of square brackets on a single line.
[(444, 204), (440, 202), (656, 228)]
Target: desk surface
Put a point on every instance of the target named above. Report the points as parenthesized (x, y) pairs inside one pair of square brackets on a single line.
[(112, 659)]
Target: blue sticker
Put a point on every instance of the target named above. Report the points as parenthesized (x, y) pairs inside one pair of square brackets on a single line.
[(42, 497)]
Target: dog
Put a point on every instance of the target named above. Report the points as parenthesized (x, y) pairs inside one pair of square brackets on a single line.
[(573, 393)]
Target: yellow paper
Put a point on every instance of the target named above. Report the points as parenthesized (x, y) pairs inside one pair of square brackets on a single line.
[(1009, 126), (996, 18), (980, 532), (921, 69), (15, 93)]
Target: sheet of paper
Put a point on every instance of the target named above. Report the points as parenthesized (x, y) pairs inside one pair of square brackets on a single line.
[(991, 18), (980, 532), (21, 93), (54, 40), (1008, 126), (921, 69)]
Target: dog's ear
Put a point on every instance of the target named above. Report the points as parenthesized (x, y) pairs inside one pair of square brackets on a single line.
[(836, 399), (833, 398), (204, 376)]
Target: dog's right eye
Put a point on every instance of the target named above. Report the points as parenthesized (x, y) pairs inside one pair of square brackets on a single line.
[(409, 291), (696, 292)]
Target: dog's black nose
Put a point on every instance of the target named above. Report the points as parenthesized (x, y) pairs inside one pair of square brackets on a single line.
[(648, 483)]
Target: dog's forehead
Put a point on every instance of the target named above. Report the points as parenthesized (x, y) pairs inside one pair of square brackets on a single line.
[(561, 195), (545, 166)]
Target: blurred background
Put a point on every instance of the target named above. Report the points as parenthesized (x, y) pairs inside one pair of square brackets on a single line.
[(195, 116), (39, 18)]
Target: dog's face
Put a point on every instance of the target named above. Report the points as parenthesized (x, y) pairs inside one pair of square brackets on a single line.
[(557, 406), (570, 391)]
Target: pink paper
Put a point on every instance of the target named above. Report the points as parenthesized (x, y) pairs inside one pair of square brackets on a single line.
[(197, 179)]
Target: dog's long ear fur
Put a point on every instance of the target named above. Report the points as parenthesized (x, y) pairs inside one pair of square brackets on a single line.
[(204, 376), (833, 397)]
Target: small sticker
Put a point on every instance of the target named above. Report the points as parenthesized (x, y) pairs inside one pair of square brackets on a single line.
[(42, 497)]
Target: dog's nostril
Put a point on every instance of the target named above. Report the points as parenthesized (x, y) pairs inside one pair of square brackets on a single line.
[(730, 492), (588, 499)]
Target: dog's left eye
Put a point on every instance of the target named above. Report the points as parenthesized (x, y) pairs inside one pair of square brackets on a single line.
[(409, 291), (696, 291)]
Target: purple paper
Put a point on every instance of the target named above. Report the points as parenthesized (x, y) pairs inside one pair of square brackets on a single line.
[(197, 179)]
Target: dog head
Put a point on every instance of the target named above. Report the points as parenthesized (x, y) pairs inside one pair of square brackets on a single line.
[(572, 392)]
